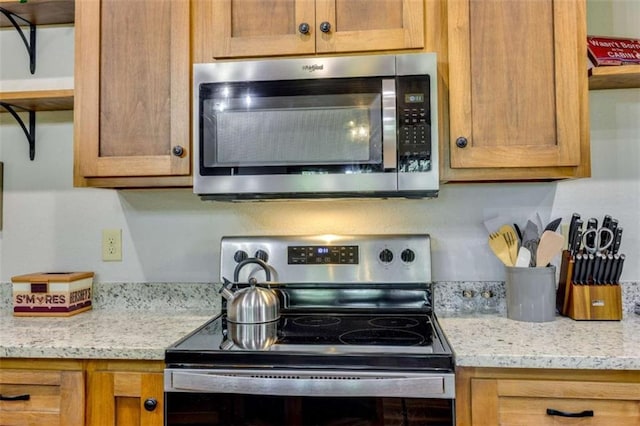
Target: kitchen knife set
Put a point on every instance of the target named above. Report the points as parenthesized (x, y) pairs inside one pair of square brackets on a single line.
[(595, 251), (589, 287)]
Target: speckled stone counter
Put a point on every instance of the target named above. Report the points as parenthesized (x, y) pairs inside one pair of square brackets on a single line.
[(138, 321), (96, 334), (134, 321), (496, 341)]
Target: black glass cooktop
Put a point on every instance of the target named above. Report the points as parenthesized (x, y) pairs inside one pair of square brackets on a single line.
[(387, 339)]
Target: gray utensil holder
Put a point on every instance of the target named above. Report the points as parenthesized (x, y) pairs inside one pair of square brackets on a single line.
[(531, 293)]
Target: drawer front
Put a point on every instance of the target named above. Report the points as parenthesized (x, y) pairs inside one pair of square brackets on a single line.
[(41, 397), (534, 411), (554, 402)]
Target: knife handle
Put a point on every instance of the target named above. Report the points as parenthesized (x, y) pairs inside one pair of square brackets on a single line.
[(589, 268), (577, 238), (614, 268), (576, 269), (572, 229), (617, 240), (619, 271), (590, 238), (596, 268), (582, 278), (607, 270)]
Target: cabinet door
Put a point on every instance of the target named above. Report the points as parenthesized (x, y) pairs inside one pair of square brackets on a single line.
[(54, 398), (526, 402), (364, 25), (515, 83), (261, 28), (272, 27), (125, 399), (132, 90)]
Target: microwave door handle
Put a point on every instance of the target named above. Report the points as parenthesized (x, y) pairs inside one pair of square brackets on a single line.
[(389, 124)]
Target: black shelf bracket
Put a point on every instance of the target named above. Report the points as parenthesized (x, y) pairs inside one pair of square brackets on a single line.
[(29, 133), (31, 44)]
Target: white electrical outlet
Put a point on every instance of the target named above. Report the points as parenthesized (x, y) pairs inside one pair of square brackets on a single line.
[(112, 245)]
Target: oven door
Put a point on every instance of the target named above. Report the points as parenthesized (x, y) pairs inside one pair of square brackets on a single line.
[(307, 397)]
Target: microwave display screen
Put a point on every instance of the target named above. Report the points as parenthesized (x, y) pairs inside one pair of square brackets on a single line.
[(414, 98)]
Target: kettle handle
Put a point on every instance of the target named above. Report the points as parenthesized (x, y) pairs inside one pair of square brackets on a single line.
[(239, 266)]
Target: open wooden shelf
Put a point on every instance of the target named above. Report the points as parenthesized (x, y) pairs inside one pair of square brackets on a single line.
[(40, 12), (614, 77), (40, 100)]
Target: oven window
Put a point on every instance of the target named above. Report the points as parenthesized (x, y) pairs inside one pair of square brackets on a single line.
[(291, 124), (258, 410)]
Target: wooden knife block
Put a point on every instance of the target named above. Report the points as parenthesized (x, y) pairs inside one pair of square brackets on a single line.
[(586, 302)]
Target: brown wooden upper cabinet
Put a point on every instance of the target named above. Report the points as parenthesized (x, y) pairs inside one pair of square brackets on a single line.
[(242, 28), (132, 93), (518, 90)]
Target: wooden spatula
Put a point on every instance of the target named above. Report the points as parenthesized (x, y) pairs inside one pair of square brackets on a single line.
[(500, 248), (550, 245), (511, 237)]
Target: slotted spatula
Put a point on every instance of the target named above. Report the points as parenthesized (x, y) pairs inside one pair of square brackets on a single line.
[(511, 237), (550, 245), (500, 248)]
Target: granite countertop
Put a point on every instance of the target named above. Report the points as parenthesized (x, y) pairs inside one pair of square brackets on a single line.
[(138, 321), (96, 334), (478, 341), (496, 341)]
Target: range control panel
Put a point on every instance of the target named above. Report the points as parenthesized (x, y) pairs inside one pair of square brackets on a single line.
[(322, 255), (330, 258)]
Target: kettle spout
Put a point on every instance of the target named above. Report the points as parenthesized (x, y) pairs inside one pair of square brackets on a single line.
[(225, 291)]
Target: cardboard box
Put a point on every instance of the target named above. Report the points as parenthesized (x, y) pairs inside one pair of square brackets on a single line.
[(52, 293)]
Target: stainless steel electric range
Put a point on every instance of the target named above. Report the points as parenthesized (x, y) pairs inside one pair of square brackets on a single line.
[(354, 341)]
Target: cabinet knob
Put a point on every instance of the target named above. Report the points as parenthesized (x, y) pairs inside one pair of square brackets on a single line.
[(325, 27), (462, 142), (304, 28), (150, 404), (178, 151)]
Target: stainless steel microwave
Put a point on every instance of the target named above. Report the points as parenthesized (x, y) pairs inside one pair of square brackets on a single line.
[(321, 127)]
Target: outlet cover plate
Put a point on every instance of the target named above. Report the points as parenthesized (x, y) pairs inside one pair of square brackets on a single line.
[(112, 245)]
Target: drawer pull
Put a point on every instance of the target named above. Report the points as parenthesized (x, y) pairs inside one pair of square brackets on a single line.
[(24, 397), (585, 413)]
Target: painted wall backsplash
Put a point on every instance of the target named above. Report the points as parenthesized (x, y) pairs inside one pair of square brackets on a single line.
[(173, 236)]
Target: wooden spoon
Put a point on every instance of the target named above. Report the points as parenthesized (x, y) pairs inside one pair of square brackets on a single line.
[(500, 248), (511, 237), (550, 245)]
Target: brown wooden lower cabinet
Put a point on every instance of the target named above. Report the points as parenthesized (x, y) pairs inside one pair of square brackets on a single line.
[(41, 393), (490, 396), (125, 393)]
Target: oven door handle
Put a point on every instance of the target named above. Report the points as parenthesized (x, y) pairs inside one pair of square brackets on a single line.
[(312, 383)]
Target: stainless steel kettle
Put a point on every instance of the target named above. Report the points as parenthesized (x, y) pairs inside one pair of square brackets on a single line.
[(255, 337), (253, 304)]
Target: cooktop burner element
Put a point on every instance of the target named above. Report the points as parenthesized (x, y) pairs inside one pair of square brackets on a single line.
[(394, 322), (316, 321)]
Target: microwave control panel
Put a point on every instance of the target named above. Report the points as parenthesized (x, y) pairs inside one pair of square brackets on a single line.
[(414, 123)]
